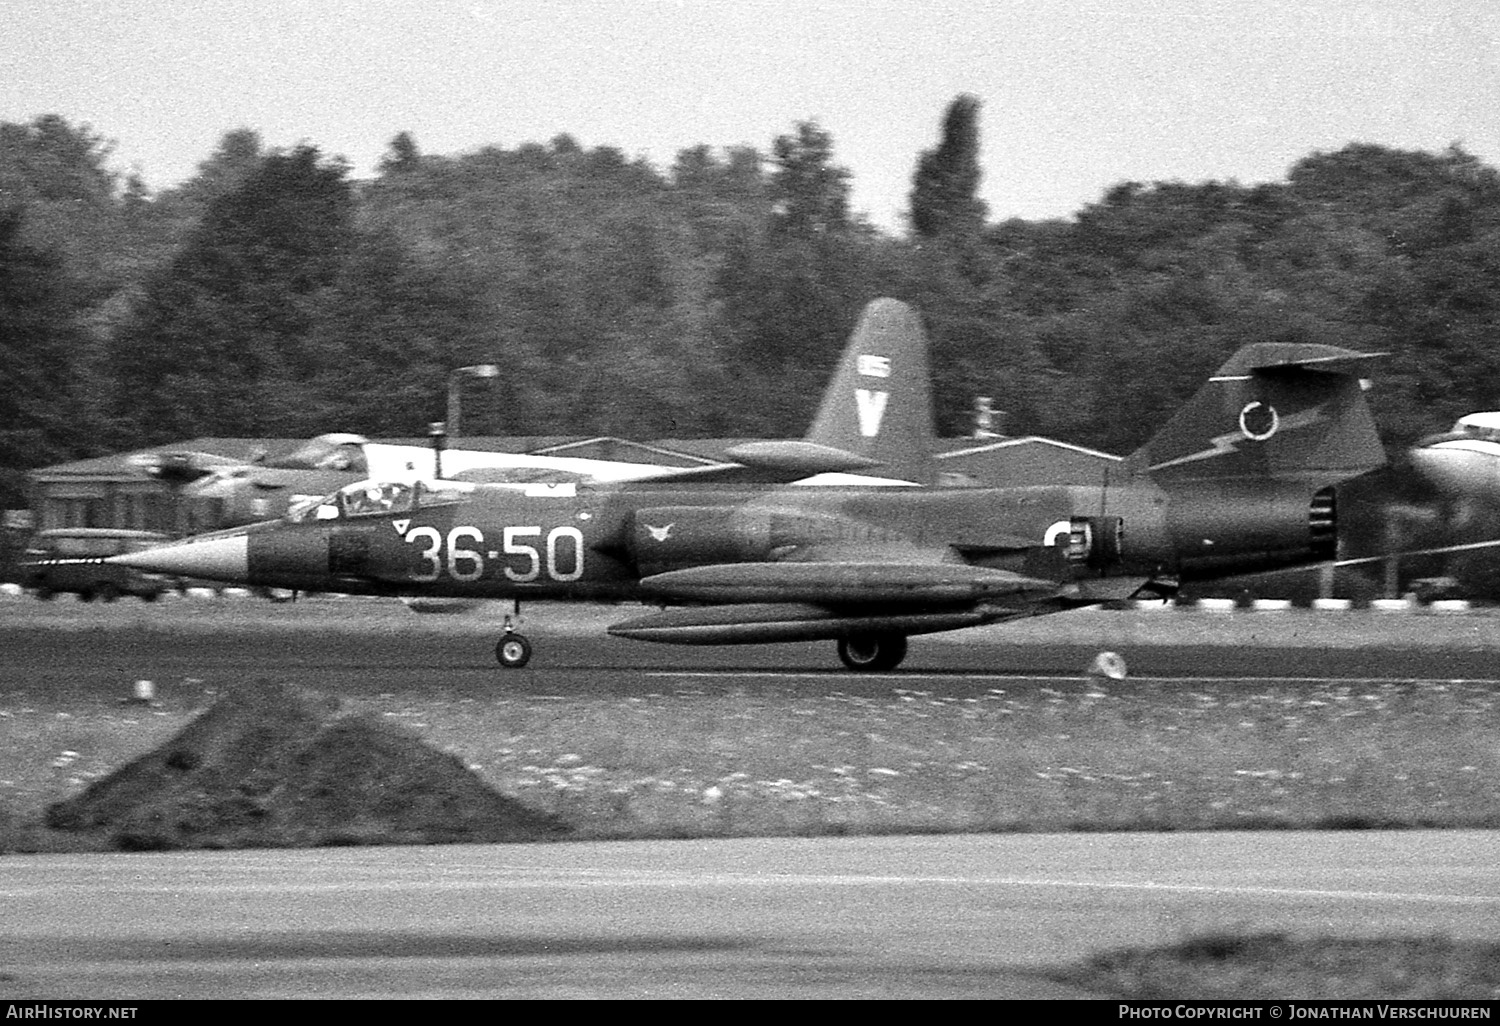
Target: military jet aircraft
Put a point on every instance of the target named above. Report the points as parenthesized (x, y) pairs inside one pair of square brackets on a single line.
[(1463, 462), (269, 487), (1429, 524), (896, 417), (240, 492), (1241, 479)]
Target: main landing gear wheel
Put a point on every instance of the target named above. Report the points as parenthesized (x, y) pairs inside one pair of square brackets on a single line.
[(513, 651), (871, 653)]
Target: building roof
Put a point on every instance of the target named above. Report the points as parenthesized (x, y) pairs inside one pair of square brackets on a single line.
[(247, 449), (666, 451), (113, 465)]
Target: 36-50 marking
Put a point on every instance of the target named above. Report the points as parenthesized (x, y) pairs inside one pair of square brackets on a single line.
[(462, 555)]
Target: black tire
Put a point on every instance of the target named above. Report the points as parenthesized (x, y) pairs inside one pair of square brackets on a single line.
[(44, 593), (151, 596), (872, 653), (513, 651)]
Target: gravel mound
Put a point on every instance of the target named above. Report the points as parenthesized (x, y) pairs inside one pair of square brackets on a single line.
[(267, 766)]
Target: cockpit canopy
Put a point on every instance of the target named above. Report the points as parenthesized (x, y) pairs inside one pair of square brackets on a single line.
[(381, 498)]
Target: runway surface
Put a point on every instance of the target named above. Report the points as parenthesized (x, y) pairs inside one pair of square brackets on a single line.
[(952, 916), (361, 647), (908, 917)]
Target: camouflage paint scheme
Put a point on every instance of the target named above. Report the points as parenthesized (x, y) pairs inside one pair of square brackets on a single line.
[(1240, 480)]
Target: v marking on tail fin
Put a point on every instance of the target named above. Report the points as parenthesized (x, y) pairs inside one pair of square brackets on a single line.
[(871, 410), (887, 421)]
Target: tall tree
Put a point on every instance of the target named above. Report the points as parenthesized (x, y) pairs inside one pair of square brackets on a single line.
[(41, 419), (792, 283), (401, 155), (216, 343), (60, 172), (809, 192), (388, 333), (236, 157), (50, 160), (945, 186)]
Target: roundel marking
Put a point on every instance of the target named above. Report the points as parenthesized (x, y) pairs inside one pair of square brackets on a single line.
[(1259, 421), (1060, 529)]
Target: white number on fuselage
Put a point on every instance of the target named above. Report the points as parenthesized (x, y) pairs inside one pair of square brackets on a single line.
[(465, 562), (429, 555)]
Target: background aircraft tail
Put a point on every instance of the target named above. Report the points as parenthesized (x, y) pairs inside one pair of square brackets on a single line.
[(1284, 411), (879, 403), (874, 425)]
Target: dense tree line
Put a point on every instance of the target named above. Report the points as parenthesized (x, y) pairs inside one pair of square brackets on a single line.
[(273, 294)]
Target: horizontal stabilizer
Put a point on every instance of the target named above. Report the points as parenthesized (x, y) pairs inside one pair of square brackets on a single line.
[(840, 583), (799, 459), (1268, 355)]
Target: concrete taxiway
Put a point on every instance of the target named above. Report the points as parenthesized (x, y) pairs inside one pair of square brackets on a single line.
[(954, 916), (951, 916)]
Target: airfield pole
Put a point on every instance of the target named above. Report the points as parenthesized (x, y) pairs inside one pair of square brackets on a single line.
[(438, 432), (455, 389), (1392, 562)]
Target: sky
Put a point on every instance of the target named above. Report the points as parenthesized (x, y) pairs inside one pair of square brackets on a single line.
[(1077, 95)]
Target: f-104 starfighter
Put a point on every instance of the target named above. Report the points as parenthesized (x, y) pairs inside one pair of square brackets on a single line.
[(1240, 480)]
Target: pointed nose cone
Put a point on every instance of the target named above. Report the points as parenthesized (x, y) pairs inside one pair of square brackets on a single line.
[(217, 559)]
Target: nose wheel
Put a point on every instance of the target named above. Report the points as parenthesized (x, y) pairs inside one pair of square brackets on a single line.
[(513, 651)]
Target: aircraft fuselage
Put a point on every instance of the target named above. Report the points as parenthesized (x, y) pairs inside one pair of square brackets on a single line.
[(565, 543)]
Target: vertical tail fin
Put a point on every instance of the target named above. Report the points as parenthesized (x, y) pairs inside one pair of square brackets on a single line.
[(875, 420), (879, 404), (1286, 411)]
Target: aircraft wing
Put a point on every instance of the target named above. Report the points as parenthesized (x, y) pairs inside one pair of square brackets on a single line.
[(769, 462)]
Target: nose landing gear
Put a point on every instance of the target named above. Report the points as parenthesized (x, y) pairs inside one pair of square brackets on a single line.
[(512, 651)]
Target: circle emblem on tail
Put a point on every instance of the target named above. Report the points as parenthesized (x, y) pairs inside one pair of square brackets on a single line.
[(1259, 421)]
